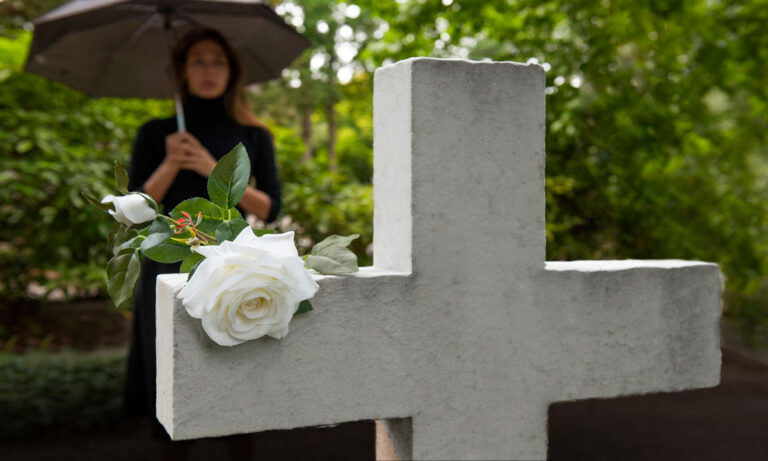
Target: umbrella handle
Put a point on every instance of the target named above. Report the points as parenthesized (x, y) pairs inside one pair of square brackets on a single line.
[(182, 126), (179, 109)]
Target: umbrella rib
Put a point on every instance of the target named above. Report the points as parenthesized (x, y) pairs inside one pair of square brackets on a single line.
[(140, 30), (113, 52), (260, 63), (188, 19)]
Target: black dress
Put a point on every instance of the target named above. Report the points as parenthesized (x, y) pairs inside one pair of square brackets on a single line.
[(208, 121)]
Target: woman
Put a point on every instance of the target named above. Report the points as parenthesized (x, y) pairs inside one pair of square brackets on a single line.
[(172, 166)]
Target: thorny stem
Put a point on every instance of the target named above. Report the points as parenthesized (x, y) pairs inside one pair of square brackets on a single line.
[(207, 237)]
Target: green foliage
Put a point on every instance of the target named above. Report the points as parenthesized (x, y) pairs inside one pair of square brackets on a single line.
[(355, 135), (229, 178), (304, 306), (157, 239), (212, 214), (106, 206), (228, 230), (333, 118), (331, 256), (158, 232), (16, 14), (191, 262), (122, 274), (657, 121), (321, 203), (121, 237), (55, 142), (42, 392), (121, 179), (656, 133)]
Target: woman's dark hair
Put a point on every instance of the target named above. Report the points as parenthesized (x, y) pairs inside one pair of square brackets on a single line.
[(234, 94)]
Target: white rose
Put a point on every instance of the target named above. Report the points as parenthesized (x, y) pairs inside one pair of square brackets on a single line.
[(130, 209), (248, 288)]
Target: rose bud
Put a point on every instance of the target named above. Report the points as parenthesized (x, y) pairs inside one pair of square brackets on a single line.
[(131, 209)]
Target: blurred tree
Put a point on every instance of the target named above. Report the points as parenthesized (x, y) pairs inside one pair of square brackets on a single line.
[(54, 142), (657, 121), (313, 85), (17, 14)]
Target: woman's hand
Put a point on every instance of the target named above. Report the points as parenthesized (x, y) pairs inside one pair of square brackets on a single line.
[(185, 151)]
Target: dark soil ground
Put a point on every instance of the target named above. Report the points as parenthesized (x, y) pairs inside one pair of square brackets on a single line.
[(81, 326), (725, 423)]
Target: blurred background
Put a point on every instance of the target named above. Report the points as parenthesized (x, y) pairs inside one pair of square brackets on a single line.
[(657, 148)]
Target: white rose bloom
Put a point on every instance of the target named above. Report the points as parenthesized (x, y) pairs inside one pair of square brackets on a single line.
[(130, 209), (248, 288)]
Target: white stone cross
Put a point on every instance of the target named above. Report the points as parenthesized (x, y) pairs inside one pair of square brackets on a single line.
[(460, 335)]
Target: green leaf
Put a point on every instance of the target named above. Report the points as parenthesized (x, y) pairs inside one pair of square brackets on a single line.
[(150, 201), (331, 242), (232, 213), (97, 202), (122, 235), (121, 178), (191, 261), (192, 270), (228, 230), (134, 243), (113, 232), (304, 306), (229, 178), (122, 273), (212, 214), (157, 233), (344, 262), (24, 146), (168, 252), (260, 232), (143, 231), (331, 256)]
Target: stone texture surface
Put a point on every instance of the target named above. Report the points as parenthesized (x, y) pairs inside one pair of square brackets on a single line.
[(460, 335)]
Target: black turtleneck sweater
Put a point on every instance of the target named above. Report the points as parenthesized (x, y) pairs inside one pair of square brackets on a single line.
[(208, 121)]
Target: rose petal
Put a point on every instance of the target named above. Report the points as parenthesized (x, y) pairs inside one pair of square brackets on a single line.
[(220, 336), (248, 288), (277, 244)]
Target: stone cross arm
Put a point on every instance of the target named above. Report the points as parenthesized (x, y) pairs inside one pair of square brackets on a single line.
[(460, 335)]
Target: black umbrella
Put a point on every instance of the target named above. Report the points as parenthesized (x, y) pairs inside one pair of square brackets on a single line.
[(119, 48)]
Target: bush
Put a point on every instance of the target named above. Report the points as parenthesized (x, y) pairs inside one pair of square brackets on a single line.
[(318, 203), (656, 137), (59, 393), (54, 142), (656, 123)]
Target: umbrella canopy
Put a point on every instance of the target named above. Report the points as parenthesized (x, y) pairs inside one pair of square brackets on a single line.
[(119, 48)]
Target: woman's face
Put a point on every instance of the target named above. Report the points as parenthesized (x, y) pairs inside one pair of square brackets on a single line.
[(206, 70)]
